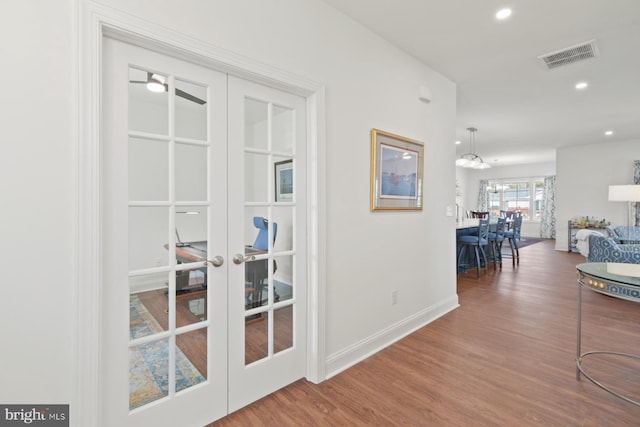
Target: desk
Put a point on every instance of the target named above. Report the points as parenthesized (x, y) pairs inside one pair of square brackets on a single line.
[(197, 251), (615, 280), (255, 271), (191, 251), (185, 253)]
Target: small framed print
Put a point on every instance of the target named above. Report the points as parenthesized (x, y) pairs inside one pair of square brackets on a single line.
[(397, 165), (284, 180)]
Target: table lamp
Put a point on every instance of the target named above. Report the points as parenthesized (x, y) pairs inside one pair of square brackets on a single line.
[(625, 193)]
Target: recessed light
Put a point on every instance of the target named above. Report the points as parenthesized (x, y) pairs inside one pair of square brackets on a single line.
[(458, 142), (609, 133), (503, 13), (581, 85)]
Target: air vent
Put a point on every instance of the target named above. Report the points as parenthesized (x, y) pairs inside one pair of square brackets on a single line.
[(570, 55)]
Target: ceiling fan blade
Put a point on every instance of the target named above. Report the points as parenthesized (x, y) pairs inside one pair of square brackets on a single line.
[(189, 97)]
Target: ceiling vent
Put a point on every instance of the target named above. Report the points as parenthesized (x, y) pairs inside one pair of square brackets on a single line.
[(570, 55)]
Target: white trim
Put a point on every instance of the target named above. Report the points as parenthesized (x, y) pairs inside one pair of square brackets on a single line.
[(359, 351), (76, 397), (87, 255), (94, 21), (316, 237)]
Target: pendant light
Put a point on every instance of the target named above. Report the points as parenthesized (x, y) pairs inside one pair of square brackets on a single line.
[(471, 159)]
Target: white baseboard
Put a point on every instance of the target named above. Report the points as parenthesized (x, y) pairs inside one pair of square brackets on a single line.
[(344, 359)]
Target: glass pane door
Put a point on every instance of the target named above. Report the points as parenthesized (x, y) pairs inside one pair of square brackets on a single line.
[(165, 213), (267, 217), (168, 234), (203, 234)]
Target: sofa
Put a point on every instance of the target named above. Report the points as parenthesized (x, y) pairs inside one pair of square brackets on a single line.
[(623, 233), (606, 249)]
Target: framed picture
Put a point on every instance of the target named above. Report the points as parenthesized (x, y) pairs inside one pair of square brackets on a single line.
[(397, 165), (284, 180)]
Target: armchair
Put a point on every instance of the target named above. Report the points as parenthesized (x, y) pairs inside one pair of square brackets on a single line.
[(624, 234), (605, 249)]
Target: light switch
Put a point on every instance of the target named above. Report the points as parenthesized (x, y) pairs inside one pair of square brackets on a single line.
[(449, 210)]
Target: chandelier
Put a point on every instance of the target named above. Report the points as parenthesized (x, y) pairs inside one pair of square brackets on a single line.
[(472, 160)]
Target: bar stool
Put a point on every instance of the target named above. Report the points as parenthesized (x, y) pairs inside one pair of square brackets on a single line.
[(477, 242), (513, 236), (495, 242)]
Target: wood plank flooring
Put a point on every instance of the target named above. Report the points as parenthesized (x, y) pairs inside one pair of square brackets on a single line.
[(506, 357)]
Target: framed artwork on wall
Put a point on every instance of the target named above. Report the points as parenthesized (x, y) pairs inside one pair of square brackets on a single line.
[(397, 165), (284, 180)]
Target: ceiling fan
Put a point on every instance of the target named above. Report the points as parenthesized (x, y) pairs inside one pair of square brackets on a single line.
[(157, 83)]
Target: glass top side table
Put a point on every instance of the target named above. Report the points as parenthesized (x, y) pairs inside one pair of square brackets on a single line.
[(615, 280)]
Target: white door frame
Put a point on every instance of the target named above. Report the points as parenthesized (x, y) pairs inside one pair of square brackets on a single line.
[(95, 21)]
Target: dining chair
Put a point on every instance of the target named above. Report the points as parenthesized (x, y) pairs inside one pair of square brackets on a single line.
[(479, 214)]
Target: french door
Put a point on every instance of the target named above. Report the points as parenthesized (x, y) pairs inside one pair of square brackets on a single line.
[(265, 130), (203, 239)]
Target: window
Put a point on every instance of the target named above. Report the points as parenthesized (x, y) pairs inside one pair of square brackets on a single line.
[(522, 195)]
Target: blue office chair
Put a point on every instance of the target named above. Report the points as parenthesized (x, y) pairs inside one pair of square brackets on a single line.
[(256, 272), (262, 239)]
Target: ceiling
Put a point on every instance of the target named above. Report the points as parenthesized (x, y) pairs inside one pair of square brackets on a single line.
[(523, 110)]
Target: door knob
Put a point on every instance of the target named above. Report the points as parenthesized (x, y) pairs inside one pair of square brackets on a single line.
[(239, 258), (217, 261)]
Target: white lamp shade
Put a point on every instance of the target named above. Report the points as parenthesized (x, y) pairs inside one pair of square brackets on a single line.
[(624, 193), (482, 165)]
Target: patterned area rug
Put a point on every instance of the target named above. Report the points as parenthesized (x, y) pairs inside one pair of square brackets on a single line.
[(149, 363), (522, 243), (528, 241)]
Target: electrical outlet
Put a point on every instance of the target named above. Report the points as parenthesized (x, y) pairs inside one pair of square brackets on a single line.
[(394, 297)]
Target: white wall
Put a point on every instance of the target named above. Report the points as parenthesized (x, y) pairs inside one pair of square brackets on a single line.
[(470, 181), (369, 83), (584, 175), (36, 183)]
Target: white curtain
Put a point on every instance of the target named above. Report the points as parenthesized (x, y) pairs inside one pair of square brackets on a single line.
[(548, 208), (483, 197), (636, 180)]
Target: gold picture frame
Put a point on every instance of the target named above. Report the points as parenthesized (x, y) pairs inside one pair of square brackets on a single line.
[(397, 165)]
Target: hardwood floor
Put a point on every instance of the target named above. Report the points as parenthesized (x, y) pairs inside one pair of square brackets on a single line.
[(194, 344), (506, 357)]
